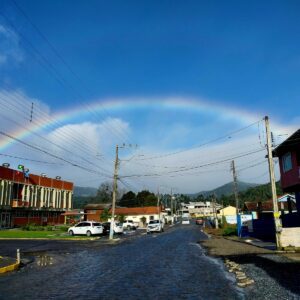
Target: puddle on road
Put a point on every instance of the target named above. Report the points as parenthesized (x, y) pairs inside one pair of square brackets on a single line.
[(44, 260), (41, 258)]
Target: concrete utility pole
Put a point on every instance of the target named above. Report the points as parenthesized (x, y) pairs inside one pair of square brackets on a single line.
[(158, 200), (172, 206), (215, 212), (115, 187), (273, 183), (235, 188)]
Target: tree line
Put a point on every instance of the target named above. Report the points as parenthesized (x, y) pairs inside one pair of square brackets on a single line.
[(147, 198)]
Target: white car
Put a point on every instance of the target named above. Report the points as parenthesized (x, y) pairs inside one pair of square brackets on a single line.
[(118, 228), (155, 226), (129, 224), (87, 228), (185, 220)]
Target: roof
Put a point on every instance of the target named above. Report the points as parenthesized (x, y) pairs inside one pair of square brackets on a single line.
[(97, 206), (285, 197), (228, 206), (147, 210), (74, 212), (291, 142)]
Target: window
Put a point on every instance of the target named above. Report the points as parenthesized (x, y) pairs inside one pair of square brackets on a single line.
[(287, 162)]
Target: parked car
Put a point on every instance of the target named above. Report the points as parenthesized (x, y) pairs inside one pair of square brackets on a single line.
[(118, 227), (106, 228), (88, 228), (199, 221), (155, 226), (185, 221), (129, 224)]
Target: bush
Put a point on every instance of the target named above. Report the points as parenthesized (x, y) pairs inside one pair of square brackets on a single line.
[(62, 228), (34, 227), (30, 227), (229, 231)]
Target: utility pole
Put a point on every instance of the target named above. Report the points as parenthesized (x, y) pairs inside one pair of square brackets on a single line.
[(235, 188), (273, 184), (158, 200), (215, 212), (172, 205), (115, 187)]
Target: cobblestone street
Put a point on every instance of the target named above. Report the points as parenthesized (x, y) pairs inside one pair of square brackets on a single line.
[(157, 266)]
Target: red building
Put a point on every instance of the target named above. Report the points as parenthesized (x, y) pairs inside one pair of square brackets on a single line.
[(288, 153), (28, 198)]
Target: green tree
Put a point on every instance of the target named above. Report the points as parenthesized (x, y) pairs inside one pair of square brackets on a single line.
[(121, 218), (104, 193), (105, 215), (146, 198), (128, 199)]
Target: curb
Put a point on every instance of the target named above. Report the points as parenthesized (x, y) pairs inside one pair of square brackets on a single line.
[(9, 268)]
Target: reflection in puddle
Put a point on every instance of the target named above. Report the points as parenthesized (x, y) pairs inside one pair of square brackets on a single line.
[(44, 260)]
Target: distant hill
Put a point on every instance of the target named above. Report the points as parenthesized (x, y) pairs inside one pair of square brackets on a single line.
[(226, 189), (80, 191)]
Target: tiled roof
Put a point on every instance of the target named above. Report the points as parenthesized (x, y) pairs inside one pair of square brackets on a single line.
[(97, 206), (147, 210)]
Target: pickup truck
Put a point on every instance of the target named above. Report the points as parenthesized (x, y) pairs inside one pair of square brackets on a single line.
[(129, 224)]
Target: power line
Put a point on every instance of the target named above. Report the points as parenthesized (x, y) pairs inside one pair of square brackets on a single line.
[(29, 159), (204, 144), (195, 167), (60, 79), (53, 155), (62, 148)]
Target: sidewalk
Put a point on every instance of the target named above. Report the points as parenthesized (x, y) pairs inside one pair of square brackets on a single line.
[(8, 264), (255, 242)]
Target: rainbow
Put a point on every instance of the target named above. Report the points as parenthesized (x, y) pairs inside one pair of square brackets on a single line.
[(105, 107)]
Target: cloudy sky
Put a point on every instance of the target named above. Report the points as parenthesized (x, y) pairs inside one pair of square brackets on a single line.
[(183, 84)]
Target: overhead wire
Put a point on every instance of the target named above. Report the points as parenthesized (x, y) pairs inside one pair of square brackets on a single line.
[(53, 155), (203, 144), (61, 80), (194, 167), (55, 144), (29, 159), (61, 138)]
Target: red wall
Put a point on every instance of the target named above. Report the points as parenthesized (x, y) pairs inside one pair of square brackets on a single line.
[(292, 177), (21, 221), (18, 176)]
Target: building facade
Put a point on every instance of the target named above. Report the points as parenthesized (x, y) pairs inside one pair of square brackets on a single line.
[(200, 209), (140, 215), (28, 198), (288, 153)]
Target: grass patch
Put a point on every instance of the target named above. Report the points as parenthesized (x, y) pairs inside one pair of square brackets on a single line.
[(17, 234)]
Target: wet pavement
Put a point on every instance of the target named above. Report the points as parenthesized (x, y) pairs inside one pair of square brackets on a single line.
[(157, 266)]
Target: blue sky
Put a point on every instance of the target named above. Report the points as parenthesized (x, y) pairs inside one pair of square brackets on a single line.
[(235, 54)]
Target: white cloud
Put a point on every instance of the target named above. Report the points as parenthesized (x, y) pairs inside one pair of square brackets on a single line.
[(92, 145), (10, 50)]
